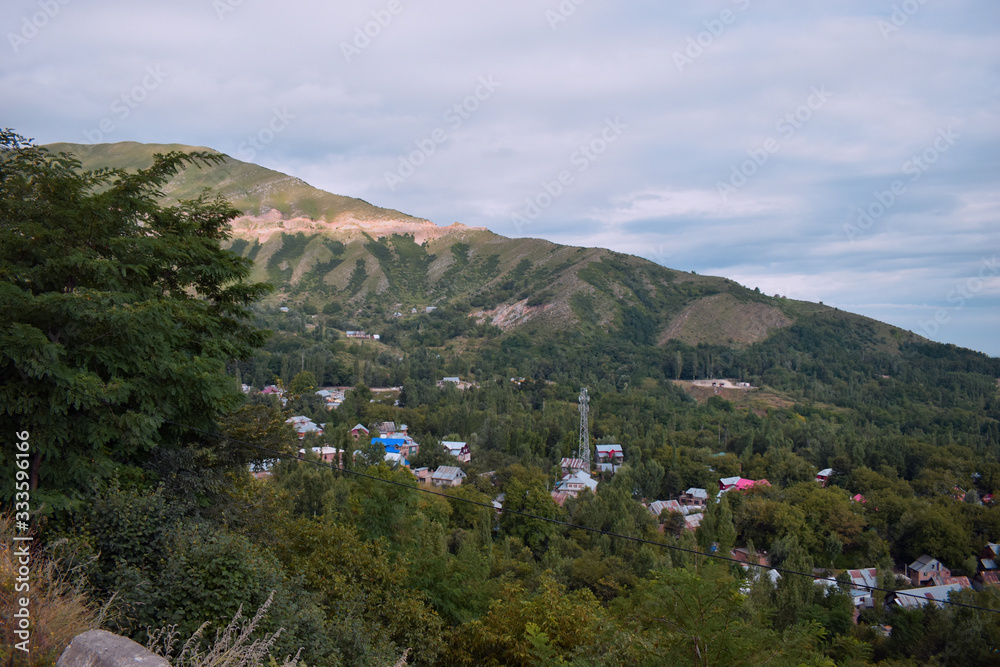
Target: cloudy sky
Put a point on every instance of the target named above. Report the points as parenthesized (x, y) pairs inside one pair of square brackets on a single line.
[(842, 152)]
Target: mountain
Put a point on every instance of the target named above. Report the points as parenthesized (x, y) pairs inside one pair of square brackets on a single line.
[(319, 248)]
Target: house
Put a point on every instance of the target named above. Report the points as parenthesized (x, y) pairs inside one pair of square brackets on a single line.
[(274, 390), (862, 583), (755, 574), (727, 483), (387, 429), (284, 309), (924, 570), (858, 498), (927, 595), (359, 432), (453, 379), (262, 469), (304, 426), (574, 483), (570, 466), (609, 457), (694, 498), (560, 497), (990, 578), (459, 450), (404, 445), (740, 483), (430, 309), (332, 397), (326, 454), (448, 476), (743, 555), (423, 475), (824, 475), (394, 458), (989, 557), (692, 521), (660, 506)]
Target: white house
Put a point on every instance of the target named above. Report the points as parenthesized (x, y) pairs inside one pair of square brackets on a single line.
[(304, 426), (862, 581), (609, 457), (574, 483)]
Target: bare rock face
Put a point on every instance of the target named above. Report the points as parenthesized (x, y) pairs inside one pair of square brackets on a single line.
[(262, 227), (98, 648)]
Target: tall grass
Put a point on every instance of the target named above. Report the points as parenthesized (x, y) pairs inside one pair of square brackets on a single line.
[(58, 606)]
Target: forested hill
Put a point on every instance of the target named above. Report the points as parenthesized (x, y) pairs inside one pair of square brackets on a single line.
[(546, 311), (343, 256)]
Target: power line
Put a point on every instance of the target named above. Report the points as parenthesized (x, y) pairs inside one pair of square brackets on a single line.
[(695, 552)]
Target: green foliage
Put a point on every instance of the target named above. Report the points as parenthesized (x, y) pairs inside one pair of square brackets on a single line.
[(696, 617), (371, 614), (522, 628), (120, 315), (304, 381)]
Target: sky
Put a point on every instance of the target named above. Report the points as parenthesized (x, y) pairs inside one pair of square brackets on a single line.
[(842, 152)]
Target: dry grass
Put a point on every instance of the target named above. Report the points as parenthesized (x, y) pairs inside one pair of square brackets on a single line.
[(59, 609), (233, 646)]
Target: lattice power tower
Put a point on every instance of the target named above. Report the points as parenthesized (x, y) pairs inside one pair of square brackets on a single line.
[(584, 453)]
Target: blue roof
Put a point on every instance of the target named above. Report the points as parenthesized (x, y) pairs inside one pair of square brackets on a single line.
[(390, 441)]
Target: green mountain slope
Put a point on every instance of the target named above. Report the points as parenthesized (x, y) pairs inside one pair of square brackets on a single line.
[(251, 188), (323, 250)]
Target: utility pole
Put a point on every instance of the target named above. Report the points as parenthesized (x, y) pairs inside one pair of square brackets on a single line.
[(584, 453)]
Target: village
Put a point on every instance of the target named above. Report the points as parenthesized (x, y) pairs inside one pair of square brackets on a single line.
[(922, 582)]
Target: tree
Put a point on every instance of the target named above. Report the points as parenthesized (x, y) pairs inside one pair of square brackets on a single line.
[(120, 315), (304, 381), (688, 617)]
